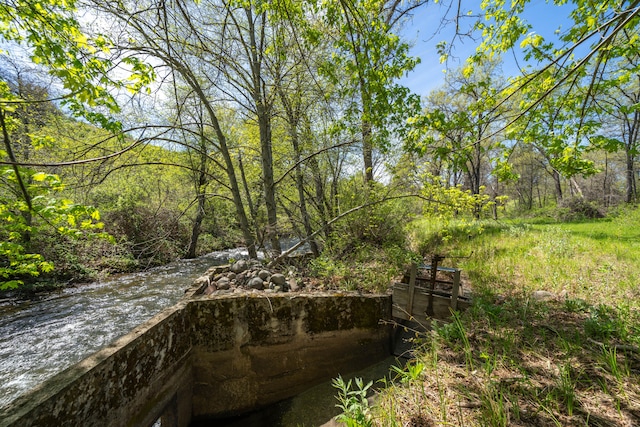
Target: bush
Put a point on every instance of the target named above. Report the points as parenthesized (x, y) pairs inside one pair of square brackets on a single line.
[(430, 235), (83, 259), (367, 267), (377, 224), (153, 237), (578, 208)]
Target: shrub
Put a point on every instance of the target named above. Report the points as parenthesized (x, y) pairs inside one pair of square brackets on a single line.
[(154, 237), (377, 224), (578, 208)]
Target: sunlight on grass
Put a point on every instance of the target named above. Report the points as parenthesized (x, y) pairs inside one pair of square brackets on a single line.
[(572, 359)]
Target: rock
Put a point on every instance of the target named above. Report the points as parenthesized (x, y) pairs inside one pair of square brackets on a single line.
[(251, 275), (209, 290), (278, 279), (239, 266), (212, 271), (223, 283), (256, 283), (293, 285), (202, 280), (542, 295)]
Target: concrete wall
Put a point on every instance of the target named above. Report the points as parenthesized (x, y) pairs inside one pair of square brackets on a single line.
[(212, 357), (128, 383), (250, 352)]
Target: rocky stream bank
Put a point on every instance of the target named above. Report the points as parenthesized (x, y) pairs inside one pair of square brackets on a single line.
[(249, 276)]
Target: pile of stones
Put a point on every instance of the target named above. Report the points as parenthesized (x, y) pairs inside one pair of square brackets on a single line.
[(247, 275)]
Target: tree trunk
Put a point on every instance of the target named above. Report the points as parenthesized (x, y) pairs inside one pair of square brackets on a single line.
[(306, 221), (264, 122), (293, 120), (231, 174), (321, 202), (247, 193), (558, 185), (195, 230), (367, 151), (237, 198), (575, 187), (263, 113), (367, 136), (630, 194)]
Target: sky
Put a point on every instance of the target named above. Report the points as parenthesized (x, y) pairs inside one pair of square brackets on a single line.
[(425, 30)]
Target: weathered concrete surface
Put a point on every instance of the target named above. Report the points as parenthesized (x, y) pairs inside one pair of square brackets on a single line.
[(211, 357), (268, 349), (126, 384)]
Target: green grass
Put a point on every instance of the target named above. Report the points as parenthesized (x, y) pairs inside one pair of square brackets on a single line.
[(514, 360)]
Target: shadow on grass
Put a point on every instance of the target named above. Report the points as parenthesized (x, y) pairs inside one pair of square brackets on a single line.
[(605, 236), (520, 362), (532, 363)]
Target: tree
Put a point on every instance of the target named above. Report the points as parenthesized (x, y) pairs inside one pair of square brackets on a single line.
[(250, 35), (53, 36), (619, 98), (171, 34), (560, 130), (569, 64), (28, 204), (459, 126), (369, 58)]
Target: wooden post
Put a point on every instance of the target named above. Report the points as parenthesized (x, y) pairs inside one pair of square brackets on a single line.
[(455, 291), (435, 259), (412, 288)]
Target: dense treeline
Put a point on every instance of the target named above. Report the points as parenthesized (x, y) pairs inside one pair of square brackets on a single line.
[(148, 131)]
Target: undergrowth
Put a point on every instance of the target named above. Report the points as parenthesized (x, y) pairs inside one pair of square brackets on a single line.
[(568, 358)]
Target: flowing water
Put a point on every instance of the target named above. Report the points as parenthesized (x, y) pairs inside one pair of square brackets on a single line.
[(40, 338)]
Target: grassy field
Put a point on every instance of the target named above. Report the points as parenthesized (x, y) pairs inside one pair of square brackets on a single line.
[(569, 356)]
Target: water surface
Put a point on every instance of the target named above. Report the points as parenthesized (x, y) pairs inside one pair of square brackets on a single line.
[(42, 337)]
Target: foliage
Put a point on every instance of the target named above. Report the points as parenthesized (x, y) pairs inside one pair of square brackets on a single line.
[(447, 201), (430, 235), (353, 402), (376, 221), (504, 27), (28, 204), (458, 128), (56, 41), (153, 237), (577, 208), (364, 267), (19, 221), (368, 58), (558, 127)]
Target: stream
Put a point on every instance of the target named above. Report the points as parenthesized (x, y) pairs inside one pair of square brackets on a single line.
[(40, 338)]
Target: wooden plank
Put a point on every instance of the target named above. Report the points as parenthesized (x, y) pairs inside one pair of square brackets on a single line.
[(412, 288), (441, 303), (439, 268), (455, 291), (420, 281)]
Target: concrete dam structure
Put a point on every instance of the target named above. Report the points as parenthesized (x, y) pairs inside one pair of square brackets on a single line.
[(213, 357)]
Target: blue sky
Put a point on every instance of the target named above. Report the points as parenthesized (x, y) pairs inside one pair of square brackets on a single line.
[(424, 32)]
